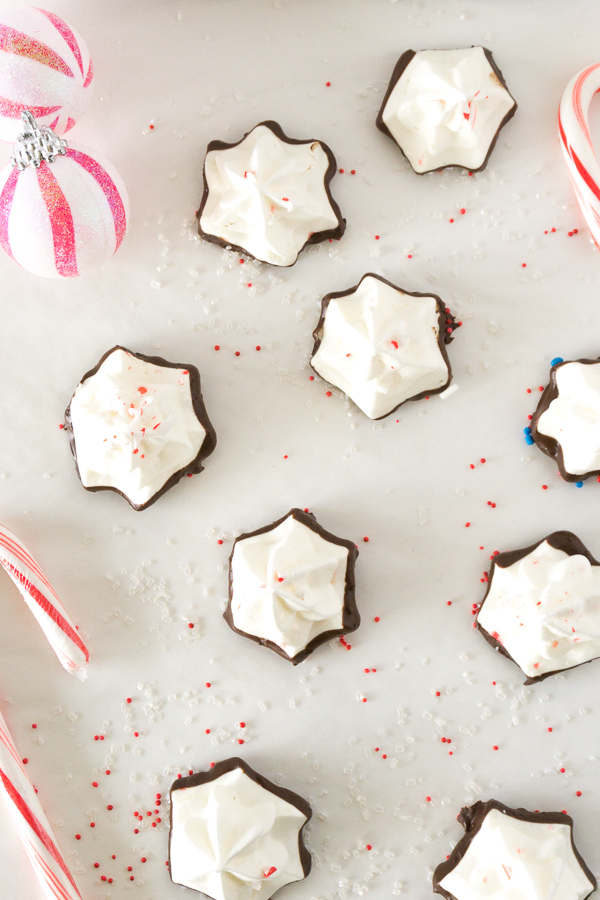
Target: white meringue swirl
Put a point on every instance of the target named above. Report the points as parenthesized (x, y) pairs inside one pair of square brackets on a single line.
[(134, 425)]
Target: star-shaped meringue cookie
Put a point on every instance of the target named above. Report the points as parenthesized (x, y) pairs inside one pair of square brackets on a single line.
[(566, 423), (383, 346), (137, 424), (542, 606), (236, 836), (513, 854), (268, 195), (292, 586), (446, 108)]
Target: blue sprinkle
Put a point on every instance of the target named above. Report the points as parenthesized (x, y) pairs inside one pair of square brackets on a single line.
[(556, 360), (527, 430), (579, 484), (529, 439)]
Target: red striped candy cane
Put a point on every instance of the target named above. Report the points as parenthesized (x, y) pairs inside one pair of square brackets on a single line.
[(43, 602), (573, 127), (48, 863), (32, 824)]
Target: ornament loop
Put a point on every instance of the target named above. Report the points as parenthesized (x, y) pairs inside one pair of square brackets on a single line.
[(36, 145)]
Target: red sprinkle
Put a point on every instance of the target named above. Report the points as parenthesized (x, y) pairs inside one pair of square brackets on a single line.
[(369, 847), (578, 793), (217, 347), (376, 619), (328, 393), (366, 540)]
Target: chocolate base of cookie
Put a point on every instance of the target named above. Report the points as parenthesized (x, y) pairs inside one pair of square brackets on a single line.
[(317, 237), (473, 817), (194, 467), (549, 445), (445, 321), (228, 765), (570, 544), (399, 70), (350, 614)]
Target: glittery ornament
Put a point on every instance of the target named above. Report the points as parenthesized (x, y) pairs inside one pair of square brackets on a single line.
[(62, 211), (45, 67)]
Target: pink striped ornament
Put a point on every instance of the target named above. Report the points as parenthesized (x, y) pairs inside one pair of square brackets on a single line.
[(45, 67), (576, 142), (43, 602), (65, 217)]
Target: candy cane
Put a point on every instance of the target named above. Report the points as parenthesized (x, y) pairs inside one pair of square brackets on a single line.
[(43, 602), (573, 126), (49, 865), (32, 824)]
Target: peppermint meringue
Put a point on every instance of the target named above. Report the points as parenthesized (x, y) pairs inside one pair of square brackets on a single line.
[(268, 195), (137, 424), (292, 586), (235, 835), (382, 345), (446, 108), (542, 606), (566, 424), (514, 854)]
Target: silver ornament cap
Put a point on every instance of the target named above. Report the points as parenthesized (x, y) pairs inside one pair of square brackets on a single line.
[(36, 145)]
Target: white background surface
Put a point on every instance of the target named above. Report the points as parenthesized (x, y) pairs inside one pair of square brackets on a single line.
[(212, 69)]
